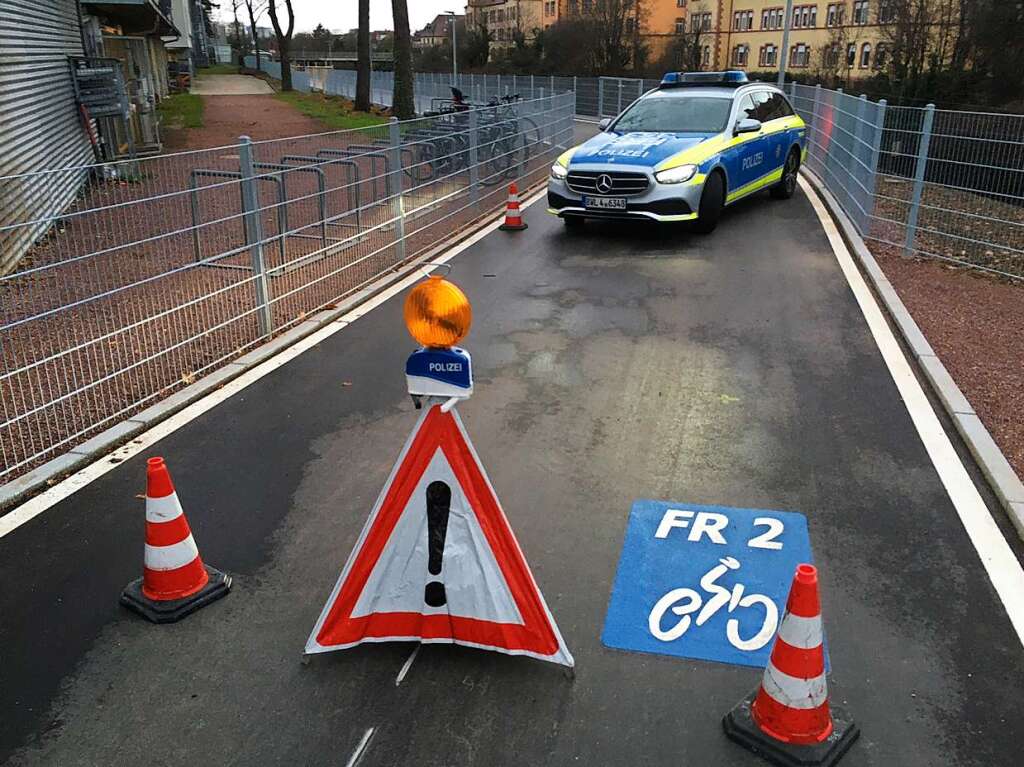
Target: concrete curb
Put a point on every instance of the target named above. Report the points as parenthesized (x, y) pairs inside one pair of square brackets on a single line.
[(52, 471), (997, 470)]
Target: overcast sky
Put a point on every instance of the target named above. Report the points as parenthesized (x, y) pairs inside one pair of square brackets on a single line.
[(342, 15)]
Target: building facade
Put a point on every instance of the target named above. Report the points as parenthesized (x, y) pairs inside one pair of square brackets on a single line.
[(505, 19), (437, 32), (843, 39)]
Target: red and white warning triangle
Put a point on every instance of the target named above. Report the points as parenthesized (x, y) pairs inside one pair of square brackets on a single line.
[(437, 560)]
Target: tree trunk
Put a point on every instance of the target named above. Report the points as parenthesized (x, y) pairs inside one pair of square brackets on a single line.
[(255, 36), (402, 105), (284, 41), (363, 68), (284, 49)]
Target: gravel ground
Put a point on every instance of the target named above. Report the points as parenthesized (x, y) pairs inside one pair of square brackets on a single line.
[(139, 318), (975, 323)]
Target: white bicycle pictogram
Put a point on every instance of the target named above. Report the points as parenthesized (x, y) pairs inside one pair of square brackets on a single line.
[(684, 602)]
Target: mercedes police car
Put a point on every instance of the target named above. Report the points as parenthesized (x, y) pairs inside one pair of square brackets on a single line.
[(682, 152)]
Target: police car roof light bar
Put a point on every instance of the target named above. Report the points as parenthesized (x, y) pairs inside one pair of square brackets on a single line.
[(733, 78)]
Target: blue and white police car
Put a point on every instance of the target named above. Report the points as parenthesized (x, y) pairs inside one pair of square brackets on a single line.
[(682, 152)]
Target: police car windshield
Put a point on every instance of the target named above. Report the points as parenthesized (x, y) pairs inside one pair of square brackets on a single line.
[(689, 114)]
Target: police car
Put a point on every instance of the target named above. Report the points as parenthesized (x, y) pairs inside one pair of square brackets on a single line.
[(682, 152)]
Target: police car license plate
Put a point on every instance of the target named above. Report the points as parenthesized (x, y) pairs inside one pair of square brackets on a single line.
[(604, 203)]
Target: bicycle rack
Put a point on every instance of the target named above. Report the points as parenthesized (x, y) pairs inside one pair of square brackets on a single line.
[(353, 181), (321, 195), (374, 156), (197, 173)]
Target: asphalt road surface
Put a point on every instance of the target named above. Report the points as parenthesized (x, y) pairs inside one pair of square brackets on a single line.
[(613, 364)]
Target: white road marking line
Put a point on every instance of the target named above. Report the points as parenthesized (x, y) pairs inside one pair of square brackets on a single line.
[(49, 498), (1004, 571), (407, 665), (360, 749)]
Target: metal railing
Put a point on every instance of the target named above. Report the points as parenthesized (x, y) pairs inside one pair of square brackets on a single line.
[(165, 268), (922, 181)]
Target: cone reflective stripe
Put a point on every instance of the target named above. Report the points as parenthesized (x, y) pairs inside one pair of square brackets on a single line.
[(513, 219), (789, 719), (172, 567), (792, 704), (174, 579)]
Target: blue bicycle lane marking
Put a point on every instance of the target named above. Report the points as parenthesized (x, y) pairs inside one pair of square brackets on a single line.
[(704, 582)]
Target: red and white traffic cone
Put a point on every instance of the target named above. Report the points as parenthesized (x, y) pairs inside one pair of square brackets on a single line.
[(174, 581), (788, 720), (513, 219)]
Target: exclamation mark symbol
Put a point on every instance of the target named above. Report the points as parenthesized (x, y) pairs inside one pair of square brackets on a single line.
[(439, 500)]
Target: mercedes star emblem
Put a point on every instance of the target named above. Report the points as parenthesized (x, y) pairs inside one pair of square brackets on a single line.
[(604, 183)]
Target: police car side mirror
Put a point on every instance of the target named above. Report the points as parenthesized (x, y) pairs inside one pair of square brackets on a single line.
[(746, 125), (605, 122)]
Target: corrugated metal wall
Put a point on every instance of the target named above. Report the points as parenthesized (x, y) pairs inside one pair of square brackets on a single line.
[(39, 123)]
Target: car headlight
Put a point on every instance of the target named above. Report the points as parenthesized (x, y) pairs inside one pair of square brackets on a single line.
[(676, 175), (559, 171)]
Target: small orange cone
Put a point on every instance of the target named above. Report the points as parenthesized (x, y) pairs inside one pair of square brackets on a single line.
[(513, 219), (174, 581), (788, 720)]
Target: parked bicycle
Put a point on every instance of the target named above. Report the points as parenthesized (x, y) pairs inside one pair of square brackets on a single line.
[(505, 140)]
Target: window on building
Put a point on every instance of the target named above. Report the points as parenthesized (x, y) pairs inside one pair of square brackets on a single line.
[(549, 8), (739, 55), (680, 3), (706, 56), (851, 55), (630, 24), (865, 56), (832, 57), (764, 19), (814, 16), (700, 22), (680, 25), (742, 21), (881, 56), (769, 56), (886, 12), (800, 55), (836, 13), (860, 12)]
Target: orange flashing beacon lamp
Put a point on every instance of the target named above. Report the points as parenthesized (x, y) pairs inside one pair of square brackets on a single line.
[(438, 315)]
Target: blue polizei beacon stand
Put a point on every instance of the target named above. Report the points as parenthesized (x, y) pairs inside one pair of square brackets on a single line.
[(445, 373)]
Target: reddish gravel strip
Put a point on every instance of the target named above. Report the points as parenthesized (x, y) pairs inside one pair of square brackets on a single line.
[(225, 118), (976, 326)]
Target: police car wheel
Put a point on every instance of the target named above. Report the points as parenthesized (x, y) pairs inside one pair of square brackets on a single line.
[(712, 200), (573, 222), (787, 186)]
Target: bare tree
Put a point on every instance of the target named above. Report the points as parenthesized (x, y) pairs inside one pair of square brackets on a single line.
[(256, 9), (363, 67), (832, 64), (402, 103), (284, 41), (686, 51)]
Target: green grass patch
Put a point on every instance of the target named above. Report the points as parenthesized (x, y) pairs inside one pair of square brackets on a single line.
[(182, 110), (333, 111), (218, 69)]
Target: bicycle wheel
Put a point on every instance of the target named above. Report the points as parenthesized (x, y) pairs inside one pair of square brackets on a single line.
[(531, 137), (499, 160), (424, 163)]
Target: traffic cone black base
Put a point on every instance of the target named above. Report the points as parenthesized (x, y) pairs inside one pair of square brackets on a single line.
[(513, 227), (173, 610), (740, 727)]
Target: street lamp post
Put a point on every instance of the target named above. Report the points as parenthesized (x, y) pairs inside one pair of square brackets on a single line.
[(784, 53), (455, 53)]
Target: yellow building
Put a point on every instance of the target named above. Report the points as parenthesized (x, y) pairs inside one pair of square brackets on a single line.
[(841, 38), (504, 18)]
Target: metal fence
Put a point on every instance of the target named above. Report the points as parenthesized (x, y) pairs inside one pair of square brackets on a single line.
[(166, 268), (922, 181)]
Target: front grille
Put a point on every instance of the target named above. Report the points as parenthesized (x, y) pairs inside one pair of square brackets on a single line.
[(623, 184)]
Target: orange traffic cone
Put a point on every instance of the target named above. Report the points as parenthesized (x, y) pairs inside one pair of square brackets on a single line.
[(513, 219), (788, 720), (174, 581)]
